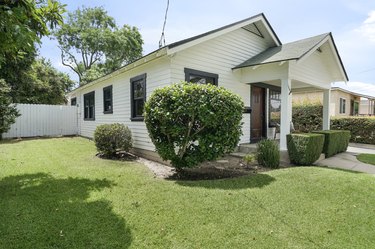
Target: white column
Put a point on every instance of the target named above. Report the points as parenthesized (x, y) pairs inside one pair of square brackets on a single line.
[(326, 108), (286, 115)]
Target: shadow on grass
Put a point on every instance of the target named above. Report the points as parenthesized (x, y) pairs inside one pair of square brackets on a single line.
[(244, 182), (39, 211)]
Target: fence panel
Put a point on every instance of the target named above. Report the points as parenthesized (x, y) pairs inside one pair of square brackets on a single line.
[(44, 120)]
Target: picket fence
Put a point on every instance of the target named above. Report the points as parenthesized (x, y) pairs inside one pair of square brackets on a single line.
[(44, 120)]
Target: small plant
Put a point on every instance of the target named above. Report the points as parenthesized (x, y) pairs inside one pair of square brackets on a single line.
[(110, 138), (268, 154), (248, 159)]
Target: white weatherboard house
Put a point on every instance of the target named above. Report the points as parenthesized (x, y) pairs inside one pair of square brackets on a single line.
[(245, 57)]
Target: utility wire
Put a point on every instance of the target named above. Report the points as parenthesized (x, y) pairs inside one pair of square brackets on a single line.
[(162, 38)]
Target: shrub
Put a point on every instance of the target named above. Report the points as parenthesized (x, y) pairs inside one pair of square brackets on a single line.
[(8, 112), (308, 117), (110, 138), (335, 141), (304, 149), (191, 123), (268, 153), (362, 129), (249, 158)]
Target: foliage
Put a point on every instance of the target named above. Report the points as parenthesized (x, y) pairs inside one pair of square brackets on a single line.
[(268, 153), (335, 141), (367, 158), (249, 158), (191, 123), (110, 138), (308, 117), (43, 195), (23, 23), (35, 81), (304, 149), (91, 34), (8, 112), (362, 129)]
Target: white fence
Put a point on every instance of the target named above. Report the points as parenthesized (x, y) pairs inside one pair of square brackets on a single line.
[(44, 120)]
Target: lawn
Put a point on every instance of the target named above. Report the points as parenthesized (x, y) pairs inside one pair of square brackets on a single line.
[(54, 193), (367, 158)]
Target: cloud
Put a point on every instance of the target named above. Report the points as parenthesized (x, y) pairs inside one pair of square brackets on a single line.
[(357, 87), (367, 28)]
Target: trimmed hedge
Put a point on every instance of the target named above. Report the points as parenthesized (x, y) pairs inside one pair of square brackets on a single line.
[(335, 141), (110, 138), (307, 118), (305, 149), (362, 129)]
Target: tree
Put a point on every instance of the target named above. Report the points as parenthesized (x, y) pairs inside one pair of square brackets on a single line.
[(35, 81), (92, 45), (191, 123), (8, 112), (23, 23)]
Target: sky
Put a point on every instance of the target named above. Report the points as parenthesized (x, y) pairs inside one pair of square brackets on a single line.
[(351, 22)]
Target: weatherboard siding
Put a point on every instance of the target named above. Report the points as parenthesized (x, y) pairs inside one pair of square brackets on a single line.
[(158, 74), (219, 56)]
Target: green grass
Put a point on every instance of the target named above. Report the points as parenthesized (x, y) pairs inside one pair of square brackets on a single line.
[(54, 193), (367, 158)]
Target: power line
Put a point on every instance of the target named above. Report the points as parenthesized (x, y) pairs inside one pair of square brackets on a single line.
[(365, 71), (162, 38)]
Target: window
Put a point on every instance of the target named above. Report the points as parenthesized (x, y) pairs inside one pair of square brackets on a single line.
[(107, 100), (73, 101), (342, 105), (200, 77), (89, 106), (274, 108), (138, 97)]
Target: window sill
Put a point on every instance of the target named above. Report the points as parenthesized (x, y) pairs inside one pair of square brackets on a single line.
[(137, 119), (108, 112), (89, 119)]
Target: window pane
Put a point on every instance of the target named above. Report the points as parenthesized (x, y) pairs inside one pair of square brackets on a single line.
[(274, 108), (138, 89), (201, 79), (138, 108)]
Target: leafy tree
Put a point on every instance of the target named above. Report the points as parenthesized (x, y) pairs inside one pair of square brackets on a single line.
[(35, 81), (8, 112), (93, 45), (23, 23), (191, 123)]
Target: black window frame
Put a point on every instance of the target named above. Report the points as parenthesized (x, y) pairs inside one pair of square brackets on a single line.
[(136, 79), (73, 100), (105, 89), (189, 72), (85, 96)]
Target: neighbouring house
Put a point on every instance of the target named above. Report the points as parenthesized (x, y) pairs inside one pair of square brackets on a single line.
[(245, 57), (342, 103)]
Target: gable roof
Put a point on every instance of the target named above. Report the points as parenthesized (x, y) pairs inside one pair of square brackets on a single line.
[(261, 15), (291, 51), (195, 39)]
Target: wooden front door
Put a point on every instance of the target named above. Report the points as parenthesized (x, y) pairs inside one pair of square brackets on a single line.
[(257, 113)]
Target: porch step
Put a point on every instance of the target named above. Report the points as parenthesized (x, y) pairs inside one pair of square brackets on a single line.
[(246, 148)]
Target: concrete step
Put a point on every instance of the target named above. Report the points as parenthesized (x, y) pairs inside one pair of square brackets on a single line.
[(246, 148)]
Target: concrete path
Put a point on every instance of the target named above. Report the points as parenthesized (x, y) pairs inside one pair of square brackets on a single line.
[(348, 159)]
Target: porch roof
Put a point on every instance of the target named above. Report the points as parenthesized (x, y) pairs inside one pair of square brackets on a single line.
[(294, 51), (289, 51)]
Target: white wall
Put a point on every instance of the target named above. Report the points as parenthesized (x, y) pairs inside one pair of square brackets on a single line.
[(44, 120), (219, 56)]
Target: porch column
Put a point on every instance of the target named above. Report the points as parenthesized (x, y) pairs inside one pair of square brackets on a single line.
[(326, 109), (286, 115)]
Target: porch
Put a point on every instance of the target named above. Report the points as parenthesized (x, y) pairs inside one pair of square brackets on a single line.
[(276, 73)]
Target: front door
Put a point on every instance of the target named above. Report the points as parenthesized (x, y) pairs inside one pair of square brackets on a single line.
[(257, 113)]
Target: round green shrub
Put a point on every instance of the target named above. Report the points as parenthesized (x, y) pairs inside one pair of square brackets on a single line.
[(268, 153), (192, 123), (110, 138)]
